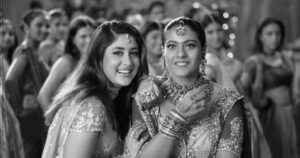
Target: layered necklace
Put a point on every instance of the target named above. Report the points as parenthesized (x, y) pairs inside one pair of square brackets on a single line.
[(172, 91)]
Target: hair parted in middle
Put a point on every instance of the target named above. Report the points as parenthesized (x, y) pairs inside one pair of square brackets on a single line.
[(182, 22), (88, 78)]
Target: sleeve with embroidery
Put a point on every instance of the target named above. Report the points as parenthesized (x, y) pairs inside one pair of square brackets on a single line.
[(91, 117), (232, 135)]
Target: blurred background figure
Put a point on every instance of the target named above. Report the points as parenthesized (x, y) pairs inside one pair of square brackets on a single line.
[(267, 81), (98, 13), (152, 33), (156, 11), (8, 41), (77, 42), (222, 67), (10, 135), (136, 19), (24, 79), (52, 48)]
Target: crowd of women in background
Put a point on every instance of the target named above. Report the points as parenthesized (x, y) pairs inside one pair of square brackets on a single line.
[(153, 86)]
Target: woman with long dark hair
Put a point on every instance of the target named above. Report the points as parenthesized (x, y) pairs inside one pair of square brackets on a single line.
[(266, 80), (76, 45), (90, 114)]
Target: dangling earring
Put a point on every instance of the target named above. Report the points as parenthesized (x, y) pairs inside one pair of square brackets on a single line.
[(203, 67), (164, 67)]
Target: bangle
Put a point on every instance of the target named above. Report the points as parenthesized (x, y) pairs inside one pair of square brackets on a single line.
[(172, 126), (175, 113)]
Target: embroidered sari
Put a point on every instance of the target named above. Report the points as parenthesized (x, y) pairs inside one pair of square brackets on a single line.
[(224, 128), (88, 115)]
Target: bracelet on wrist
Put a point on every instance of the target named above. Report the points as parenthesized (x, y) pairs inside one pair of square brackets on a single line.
[(173, 126)]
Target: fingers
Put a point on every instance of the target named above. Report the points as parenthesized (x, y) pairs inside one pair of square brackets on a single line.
[(147, 96), (200, 105)]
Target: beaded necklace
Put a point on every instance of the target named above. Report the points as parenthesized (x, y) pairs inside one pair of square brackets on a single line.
[(172, 91)]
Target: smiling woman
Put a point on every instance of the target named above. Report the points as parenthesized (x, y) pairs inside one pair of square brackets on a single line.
[(91, 112), (193, 117)]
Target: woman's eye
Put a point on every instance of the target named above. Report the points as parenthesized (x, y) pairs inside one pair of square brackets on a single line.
[(171, 46), (191, 45), (119, 53), (134, 53)]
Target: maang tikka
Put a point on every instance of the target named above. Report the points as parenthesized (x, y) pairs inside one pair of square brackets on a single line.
[(128, 38), (180, 30)]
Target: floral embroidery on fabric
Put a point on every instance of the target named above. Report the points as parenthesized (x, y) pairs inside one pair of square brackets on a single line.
[(234, 142), (90, 118), (203, 139)]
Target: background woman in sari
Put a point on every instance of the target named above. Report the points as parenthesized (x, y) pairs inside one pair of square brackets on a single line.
[(266, 79), (10, 134), (151, 32), (222, 67), (76, 45), (24, 79)]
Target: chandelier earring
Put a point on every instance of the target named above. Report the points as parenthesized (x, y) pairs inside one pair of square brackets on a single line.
[(164, 67), (203, 67)]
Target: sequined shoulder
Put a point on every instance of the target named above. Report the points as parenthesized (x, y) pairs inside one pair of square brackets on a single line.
[(226, 99), (91, 116)]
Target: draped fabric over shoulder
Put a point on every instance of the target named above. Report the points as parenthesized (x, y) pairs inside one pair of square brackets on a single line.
[(276, 116), (225, 128), (88, 115)]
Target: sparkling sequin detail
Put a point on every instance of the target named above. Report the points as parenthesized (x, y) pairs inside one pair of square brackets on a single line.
[(89, 118), (88, 115), (203, 137), (234, 142)]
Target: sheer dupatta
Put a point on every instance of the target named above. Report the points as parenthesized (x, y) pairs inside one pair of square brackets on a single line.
[(59, 130)]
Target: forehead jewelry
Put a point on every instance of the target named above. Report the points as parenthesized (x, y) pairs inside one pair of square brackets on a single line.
[(128, 39), (180, 30)]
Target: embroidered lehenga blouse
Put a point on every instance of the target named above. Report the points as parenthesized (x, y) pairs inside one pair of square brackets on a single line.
[(224, 128), (89, 115)]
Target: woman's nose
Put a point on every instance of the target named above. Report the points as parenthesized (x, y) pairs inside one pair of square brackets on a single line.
[(181, 53), (126, 60)]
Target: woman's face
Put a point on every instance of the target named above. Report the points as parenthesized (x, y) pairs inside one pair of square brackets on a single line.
[(153, 42), (214, 36), (59, 27), (38, 29), (7, 37), (270, 37), (82, 38), (182, 53), (121, 60), (157, 13)]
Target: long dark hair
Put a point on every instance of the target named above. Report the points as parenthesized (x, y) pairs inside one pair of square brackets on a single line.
[(193, 24), (76, 24), (258, 46), (89, 79)]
